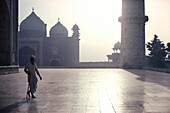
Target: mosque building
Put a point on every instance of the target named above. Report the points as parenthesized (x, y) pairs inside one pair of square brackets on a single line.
[(56, 50)]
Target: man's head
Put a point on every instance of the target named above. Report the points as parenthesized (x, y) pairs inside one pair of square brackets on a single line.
[(32, 58)]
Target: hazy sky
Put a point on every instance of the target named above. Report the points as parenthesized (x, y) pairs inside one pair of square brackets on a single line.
[(98, 21)]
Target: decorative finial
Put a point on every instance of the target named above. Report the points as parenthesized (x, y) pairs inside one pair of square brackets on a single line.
[(32, 9), (58, 19)]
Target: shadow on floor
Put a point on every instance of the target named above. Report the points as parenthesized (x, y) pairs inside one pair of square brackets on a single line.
[(18, 107), (152, 76)]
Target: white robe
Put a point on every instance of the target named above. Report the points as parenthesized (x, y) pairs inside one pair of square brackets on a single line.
[(32, 79)]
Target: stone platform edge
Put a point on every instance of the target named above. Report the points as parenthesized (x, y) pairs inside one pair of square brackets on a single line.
[(8, 69), (53, 67)]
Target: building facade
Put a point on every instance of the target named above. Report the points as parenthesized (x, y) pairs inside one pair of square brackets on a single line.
[(8, 32), (56, 50), (132, 34)]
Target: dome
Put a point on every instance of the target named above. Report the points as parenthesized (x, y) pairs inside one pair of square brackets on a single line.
[(32, 22), (58, 30), (75, 27), (117, 46)]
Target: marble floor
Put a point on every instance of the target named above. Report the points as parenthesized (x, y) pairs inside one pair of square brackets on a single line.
[(87, 91)]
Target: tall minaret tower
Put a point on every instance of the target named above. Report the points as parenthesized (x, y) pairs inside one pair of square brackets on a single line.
[(132, 34), (75, 51)]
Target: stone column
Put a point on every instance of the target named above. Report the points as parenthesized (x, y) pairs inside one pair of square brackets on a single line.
[(14, 31), (132, 34)]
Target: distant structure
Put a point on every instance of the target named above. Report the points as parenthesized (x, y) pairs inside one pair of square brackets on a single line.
[(8, 32), (133, 34), (56, 50), (115, 56)]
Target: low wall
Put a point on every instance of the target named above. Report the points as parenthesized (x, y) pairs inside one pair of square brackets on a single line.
[(8, 69), (166, 70), (98, 65)]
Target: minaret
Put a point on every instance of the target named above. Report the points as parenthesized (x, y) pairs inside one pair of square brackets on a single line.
[(132, 34), (75, 38), (76, 31)]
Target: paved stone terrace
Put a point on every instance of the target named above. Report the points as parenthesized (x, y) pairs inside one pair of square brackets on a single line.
[(88, 91)]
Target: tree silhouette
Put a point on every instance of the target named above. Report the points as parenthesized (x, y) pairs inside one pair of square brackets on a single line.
[(168, 50), (157, 52)]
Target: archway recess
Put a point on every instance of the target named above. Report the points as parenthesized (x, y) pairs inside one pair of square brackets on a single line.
[(24, 54), (55, 63)]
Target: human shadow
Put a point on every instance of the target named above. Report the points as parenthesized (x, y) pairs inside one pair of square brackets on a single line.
[(15, 107), (152, 76)]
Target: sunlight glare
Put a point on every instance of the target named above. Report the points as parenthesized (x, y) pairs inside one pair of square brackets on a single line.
[(100, 20)]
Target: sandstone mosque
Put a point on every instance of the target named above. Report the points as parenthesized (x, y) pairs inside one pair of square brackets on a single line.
[(56, 50)]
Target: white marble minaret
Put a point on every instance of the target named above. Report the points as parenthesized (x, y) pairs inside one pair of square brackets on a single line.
[(132, 34)]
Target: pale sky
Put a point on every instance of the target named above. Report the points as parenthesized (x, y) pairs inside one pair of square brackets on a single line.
[(98, 21)]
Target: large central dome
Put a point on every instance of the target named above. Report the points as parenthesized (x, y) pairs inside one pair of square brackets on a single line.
[(58, 30), (32, 22)]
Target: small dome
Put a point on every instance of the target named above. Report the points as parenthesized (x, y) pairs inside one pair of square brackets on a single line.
[(58, 30), (117, 46), (32, 22), (75, 27)]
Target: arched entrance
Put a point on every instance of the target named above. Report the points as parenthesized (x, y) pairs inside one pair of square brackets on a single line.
[(55, 63), (24, 54)]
